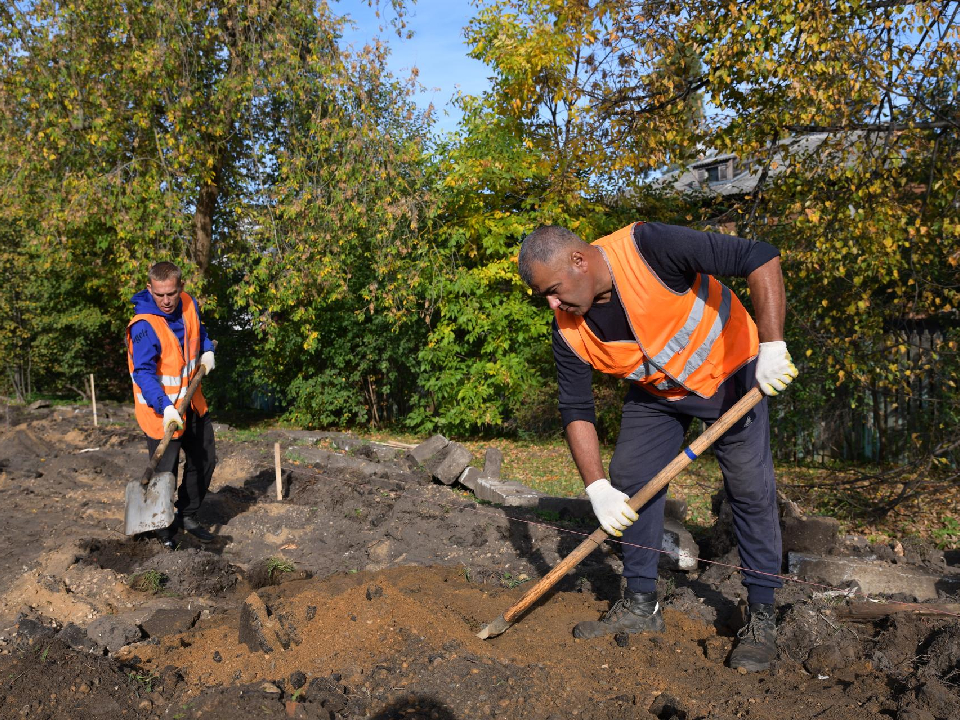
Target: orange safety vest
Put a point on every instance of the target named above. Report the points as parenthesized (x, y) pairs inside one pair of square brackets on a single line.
[(687, 342), (176, 367)]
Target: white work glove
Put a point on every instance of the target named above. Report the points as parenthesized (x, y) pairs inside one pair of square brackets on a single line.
[(207, 362), (171, 416), (775, 368), (610, 507)]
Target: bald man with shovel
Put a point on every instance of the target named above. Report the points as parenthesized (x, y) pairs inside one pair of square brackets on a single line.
[(644, 304)]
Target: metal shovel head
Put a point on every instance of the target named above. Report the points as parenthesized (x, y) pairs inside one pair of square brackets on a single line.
[(150, 506)]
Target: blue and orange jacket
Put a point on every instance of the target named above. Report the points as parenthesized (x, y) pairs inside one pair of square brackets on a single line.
[(163, 355)]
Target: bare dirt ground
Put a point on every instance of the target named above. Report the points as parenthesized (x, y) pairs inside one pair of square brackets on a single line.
[(392, 577)]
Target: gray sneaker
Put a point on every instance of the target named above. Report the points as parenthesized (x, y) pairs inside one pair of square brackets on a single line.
[(635, 613), (757, 640)]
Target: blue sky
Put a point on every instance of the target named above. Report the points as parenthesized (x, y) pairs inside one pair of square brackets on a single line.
[(437, 49)]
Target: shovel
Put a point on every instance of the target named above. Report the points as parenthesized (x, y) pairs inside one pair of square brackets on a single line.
[(149, 500), (597, 537)]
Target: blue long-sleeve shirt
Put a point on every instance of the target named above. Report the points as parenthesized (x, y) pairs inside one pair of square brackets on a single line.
[(146, 347)]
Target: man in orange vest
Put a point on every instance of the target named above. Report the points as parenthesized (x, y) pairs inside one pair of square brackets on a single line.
[(643, 304), (166, 346)]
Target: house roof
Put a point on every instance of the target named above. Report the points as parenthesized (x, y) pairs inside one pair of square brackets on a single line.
[(687, 180)]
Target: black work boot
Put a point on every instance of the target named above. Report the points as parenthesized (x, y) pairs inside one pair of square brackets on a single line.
[(757, 640), (197, 530), (167, 536), (635, 613)]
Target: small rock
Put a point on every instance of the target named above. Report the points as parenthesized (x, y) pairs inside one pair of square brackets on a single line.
[(298, 680), (374, 592), (268, 687), (217, 657), (622, 639), (311, 612)]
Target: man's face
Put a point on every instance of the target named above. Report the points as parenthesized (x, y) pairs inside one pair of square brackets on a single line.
[(166, 293), (565, 283)]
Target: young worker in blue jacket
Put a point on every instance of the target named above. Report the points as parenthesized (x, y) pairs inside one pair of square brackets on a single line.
[(166, 345)]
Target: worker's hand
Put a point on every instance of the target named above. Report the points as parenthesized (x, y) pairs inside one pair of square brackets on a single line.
[(775, 368), (171, 416), (207, 362), (610, 507)]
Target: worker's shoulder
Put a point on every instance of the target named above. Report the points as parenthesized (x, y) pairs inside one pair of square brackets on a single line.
[(141, 330)]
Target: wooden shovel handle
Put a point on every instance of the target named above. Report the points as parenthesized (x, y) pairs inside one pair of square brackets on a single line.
[(596, 538), (170, 430)]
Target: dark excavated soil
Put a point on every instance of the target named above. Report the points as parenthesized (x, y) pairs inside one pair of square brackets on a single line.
[(382, 588)]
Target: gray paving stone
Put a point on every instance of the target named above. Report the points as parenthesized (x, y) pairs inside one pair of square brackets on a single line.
[(428, 448), (468, 478), (446, 466), (874, 577), (507, 493), (492, 462), (680, 550), (113, 632), (170, 622), (812, 534), (77, 638)]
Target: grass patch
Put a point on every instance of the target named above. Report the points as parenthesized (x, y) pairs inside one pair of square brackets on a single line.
[(149, 581), (278, 566), (241, 435), (143, 681)]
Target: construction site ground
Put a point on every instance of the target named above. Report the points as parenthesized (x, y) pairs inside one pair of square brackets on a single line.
[(372, 591)]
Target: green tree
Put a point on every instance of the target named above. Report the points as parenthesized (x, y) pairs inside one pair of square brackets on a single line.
[(236, 137)]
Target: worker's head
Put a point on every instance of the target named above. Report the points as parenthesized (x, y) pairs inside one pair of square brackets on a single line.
[(165, 283), (561, 267)]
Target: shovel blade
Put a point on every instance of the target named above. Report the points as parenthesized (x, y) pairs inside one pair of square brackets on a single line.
[(150, 506)]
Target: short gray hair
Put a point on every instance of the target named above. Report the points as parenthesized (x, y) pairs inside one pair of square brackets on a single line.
[(542, 246)]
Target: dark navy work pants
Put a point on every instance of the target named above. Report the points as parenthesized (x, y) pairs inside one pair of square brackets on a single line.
[(200, 454), (651, 435)]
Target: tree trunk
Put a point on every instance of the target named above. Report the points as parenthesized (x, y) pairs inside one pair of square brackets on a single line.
[(203, 223)]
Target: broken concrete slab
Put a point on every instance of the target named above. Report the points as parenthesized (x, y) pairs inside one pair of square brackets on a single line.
[(77, 638), (492, 462), (680, 550), (446, 465), (170, 622), (428, 448), (468, 478), (113, 632), (258, 631), (873, 577), (507, 493), (31, 629), (810, 534)]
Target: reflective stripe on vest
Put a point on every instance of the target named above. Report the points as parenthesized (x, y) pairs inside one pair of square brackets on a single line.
[(697, 338)]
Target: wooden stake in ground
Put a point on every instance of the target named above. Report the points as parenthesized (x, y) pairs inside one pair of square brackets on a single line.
[(276, 457), (93, 398)]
